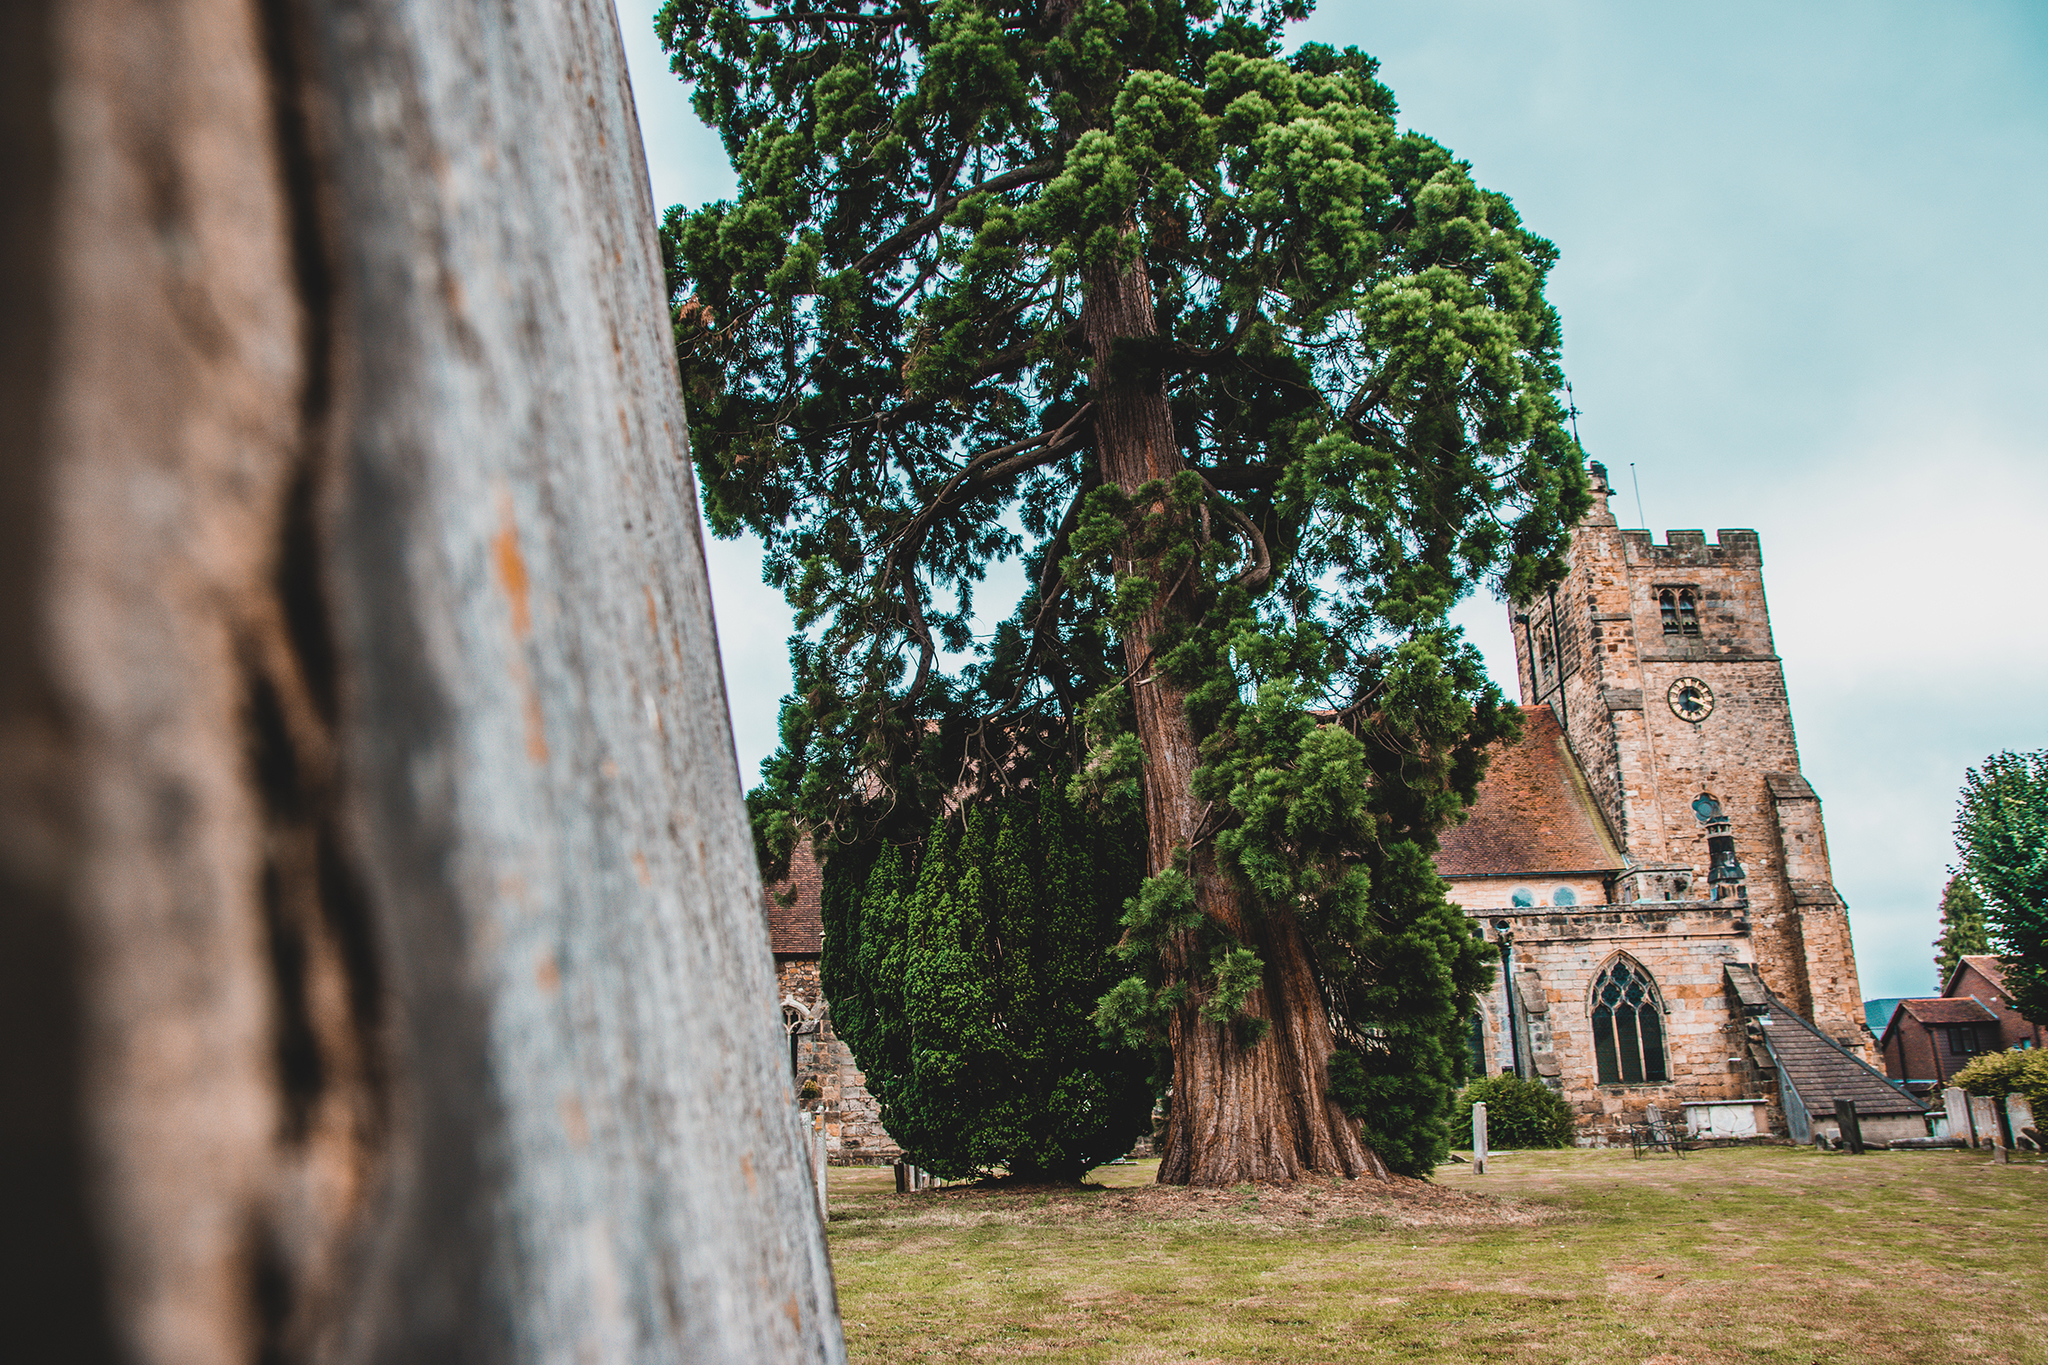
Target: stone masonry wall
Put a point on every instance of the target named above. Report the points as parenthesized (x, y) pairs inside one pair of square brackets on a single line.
[(1682, 947), (854, 1135), (1611, 673)]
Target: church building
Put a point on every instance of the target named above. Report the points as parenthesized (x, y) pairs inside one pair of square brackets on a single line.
[(1651, 865), (1648, 862)]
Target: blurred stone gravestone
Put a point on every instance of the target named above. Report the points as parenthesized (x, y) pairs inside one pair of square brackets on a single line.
[(1851, 1126), (2019, 1113), (1984, 1118), (1958, 1105)]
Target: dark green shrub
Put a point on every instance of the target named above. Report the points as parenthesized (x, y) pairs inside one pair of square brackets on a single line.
[(963, 972), (1519, 1113)]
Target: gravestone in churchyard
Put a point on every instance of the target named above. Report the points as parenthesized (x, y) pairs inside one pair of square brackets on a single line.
[(1850, 1126), (1958, 1105)]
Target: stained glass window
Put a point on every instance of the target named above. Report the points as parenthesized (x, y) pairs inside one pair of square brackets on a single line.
[(1628, 1026)]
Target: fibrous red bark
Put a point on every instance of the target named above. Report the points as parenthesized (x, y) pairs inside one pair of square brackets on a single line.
[(1240, 1112)]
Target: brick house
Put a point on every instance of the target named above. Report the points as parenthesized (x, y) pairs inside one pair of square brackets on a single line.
[(1649, 852), (1980, 977), (1927, 1041), (854, 1135)]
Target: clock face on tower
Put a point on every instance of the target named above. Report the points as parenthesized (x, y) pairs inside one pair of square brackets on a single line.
[(1691, 700)]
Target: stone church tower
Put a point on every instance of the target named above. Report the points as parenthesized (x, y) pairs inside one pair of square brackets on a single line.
[(1658, 662), (1652, 832)]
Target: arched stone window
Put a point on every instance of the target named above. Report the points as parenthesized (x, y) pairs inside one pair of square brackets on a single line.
[(1628, 1026), (1680, 610), (798, 1021)]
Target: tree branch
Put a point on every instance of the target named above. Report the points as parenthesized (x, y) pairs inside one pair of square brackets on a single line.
[(912, 232), (1051, 586), (978, 471), (1367, 400), (1261, 571), (1240, 479), (901, 555), (830, 18)]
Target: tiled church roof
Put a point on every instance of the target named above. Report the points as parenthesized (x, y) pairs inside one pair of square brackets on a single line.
[(1534, 815), (796, 929)]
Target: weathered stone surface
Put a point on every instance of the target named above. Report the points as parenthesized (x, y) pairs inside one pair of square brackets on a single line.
[(854, 1135), (1602, 656)]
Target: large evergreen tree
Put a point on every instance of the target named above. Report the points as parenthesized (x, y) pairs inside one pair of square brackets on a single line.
[(2002, 833), (1962, 928), (963, 971), (1256, 385)]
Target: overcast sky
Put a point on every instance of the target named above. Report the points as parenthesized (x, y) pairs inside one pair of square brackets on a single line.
[(1804, 281)]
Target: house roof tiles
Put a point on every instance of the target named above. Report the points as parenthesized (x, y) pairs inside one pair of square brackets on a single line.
[(1987, 966), (1534, 815), (1949, 1011)]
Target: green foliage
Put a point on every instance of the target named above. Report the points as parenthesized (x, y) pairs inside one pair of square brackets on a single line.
[(1519, 1113), (880, 341), (962, 974), (1999, 1074), (1962, 929), (2002, 833)]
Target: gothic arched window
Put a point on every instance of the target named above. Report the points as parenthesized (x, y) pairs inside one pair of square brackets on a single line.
[(1667, 604), (1688, 615), (1628, 1026)]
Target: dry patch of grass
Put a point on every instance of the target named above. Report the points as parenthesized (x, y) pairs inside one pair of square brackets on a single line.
[(1746, 1255), (1126, 1193)]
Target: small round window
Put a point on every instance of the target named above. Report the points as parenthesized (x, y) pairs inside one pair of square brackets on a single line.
[(1522, 898), (1564, 895)]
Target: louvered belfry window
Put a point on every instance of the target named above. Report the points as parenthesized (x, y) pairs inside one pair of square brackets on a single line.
[(1628, 1027)]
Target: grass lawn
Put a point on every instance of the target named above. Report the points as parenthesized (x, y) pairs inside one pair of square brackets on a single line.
[(1767, 1254)]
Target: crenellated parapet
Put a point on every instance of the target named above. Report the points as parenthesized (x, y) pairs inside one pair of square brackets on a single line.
[(1690, 549)]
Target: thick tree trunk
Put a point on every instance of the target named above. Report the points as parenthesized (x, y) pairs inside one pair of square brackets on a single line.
[(383, 957), (1239, 1113)]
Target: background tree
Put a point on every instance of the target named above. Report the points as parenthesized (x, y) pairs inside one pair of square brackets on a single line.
[(2015, 1070), (1253, 385), (1962, 928), (380, 945), (2002, 833), (964, 971)]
